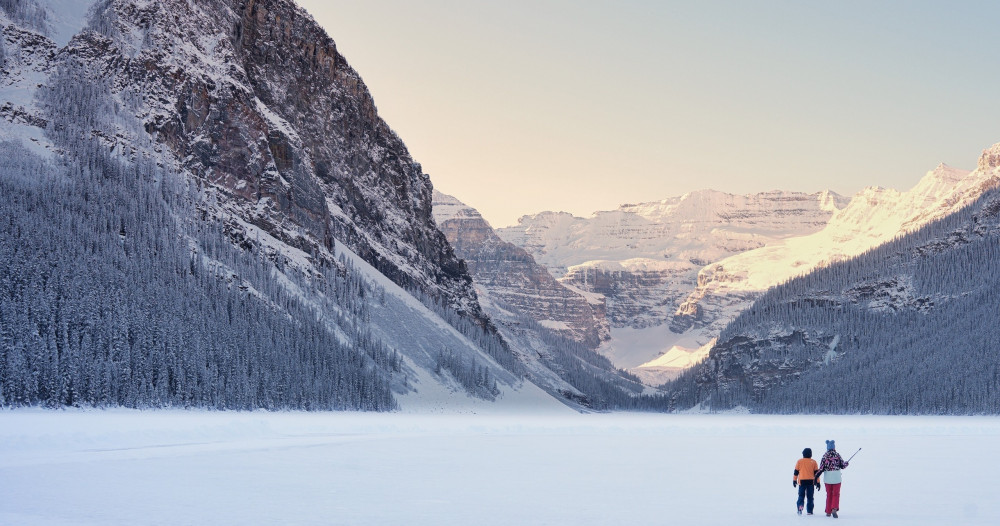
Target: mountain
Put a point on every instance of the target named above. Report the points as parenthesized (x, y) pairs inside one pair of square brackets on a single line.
[(509, 276), (208, 211), (902, 328), (718, 253), (554, 329), (644, 259)]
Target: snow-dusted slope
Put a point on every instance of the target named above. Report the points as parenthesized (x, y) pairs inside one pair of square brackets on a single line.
[(401, 321), (33, 32)]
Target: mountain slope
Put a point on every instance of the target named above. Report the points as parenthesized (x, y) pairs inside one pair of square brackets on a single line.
[(511, 276), (899, 329), (211, 165), (872, 217)]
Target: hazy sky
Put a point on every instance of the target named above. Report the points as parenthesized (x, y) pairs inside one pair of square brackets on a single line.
[(517, 107)]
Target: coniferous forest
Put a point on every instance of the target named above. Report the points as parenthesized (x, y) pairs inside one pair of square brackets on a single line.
[(106, 300)]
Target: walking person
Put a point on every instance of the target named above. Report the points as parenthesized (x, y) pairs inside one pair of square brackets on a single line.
[(830, 467), (805, 478)]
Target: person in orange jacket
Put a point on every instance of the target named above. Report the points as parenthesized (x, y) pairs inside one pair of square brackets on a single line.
[(804, 477)]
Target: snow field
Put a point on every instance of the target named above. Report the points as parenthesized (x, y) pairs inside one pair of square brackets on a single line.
[(197, 467)]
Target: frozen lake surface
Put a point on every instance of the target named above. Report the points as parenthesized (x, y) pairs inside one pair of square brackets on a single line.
[(197, 467)]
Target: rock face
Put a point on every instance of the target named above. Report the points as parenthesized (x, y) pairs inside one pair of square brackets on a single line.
[(509, 276), (253, 100), (268, 112), (245, 118), (897, 329)]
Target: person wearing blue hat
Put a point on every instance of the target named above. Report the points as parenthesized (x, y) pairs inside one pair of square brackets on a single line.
[(830, 467)]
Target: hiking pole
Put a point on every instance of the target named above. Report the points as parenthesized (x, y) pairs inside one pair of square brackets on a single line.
[(855, 453)]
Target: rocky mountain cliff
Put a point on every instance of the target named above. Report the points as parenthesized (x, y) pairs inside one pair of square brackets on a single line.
[(506, 274), (239, 120), (259, 107), (898, 329)]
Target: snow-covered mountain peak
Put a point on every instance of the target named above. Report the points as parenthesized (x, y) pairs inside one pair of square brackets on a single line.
[(830, 201), (711, 205), (447, 207), (990, 159), (948, 173), (938, 185), (673, 228), (874, 195)]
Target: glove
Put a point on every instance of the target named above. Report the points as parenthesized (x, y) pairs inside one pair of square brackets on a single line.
[(818, 486), (794, 484)]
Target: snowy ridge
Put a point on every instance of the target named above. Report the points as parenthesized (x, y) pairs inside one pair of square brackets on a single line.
[(447, 208), (873, 217), (672, 228)]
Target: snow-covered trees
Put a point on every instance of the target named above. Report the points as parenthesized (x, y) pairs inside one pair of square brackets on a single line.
[(106, 300)]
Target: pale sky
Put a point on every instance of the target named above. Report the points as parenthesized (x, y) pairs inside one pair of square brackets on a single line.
[(516, 107)]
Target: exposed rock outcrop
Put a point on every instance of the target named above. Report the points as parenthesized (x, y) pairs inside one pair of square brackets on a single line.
[(511, 277)]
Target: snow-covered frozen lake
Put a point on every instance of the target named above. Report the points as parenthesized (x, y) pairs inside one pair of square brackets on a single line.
[(196, 467)]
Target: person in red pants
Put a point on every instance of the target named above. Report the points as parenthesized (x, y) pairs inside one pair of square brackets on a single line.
[(830, 467)]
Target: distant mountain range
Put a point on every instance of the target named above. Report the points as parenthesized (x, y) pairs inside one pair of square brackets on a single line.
[(674, 272), (644, 259)]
